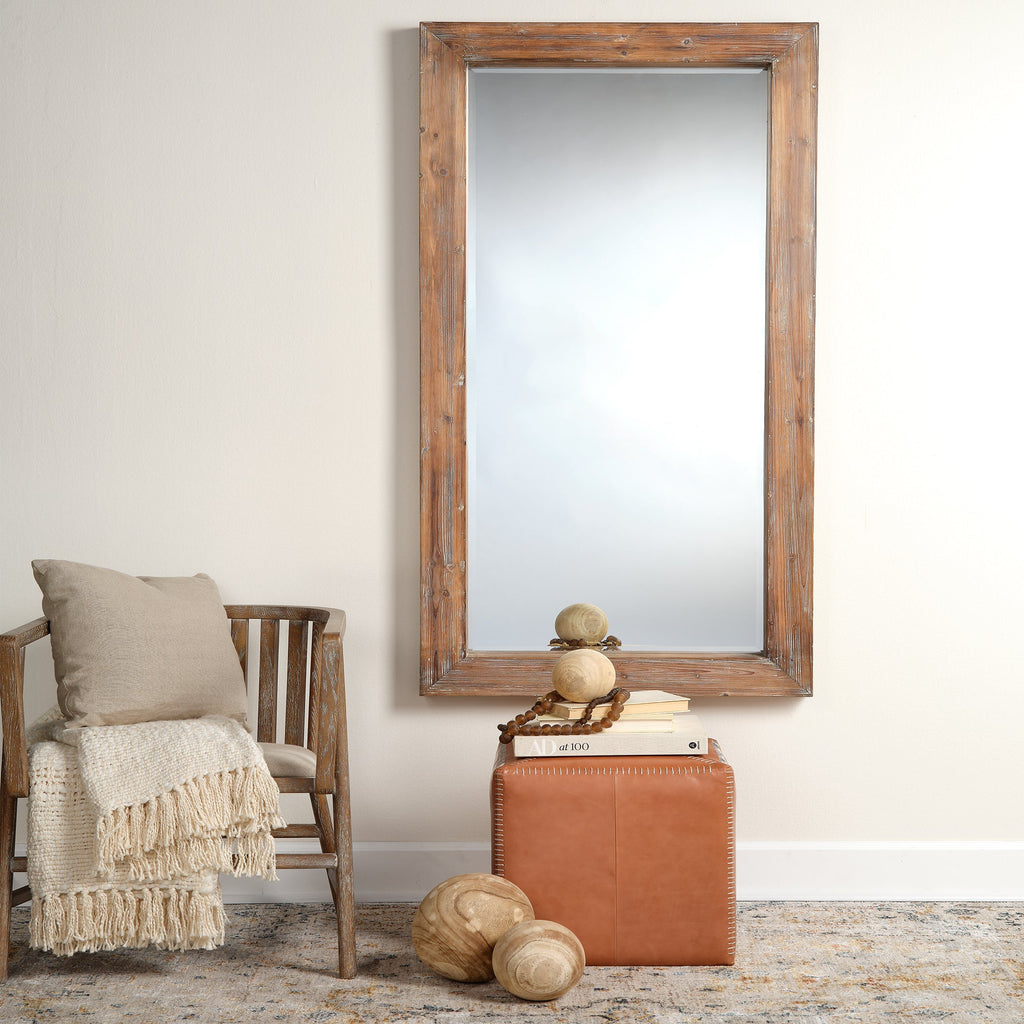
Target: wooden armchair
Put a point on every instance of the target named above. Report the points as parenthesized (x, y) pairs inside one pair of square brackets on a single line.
[(313, 757)]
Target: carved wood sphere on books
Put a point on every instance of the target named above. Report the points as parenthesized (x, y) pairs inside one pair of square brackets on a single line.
[(538, 960), (459, 921), (583, 675), (581, 622)]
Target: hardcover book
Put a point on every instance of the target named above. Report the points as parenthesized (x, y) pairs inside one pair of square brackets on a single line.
[(641, 702), (638, 723), (688, 737)]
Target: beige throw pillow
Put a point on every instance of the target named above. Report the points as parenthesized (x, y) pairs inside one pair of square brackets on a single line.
[(132, 649)]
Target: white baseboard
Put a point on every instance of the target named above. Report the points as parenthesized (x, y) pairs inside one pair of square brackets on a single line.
[(405, 872), (880, 871), (384, 873)]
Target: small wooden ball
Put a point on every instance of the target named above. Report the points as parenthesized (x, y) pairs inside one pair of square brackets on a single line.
[(581, 622), (538, 960), (583, 675), (459, 921)]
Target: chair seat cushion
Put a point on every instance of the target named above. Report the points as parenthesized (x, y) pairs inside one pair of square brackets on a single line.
[(287, 761), (130, 649)]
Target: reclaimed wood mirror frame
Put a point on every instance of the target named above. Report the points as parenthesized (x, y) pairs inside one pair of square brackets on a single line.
[(789, 52)]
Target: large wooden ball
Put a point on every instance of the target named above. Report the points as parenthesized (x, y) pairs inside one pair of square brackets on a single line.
[(539, 960), (581, 622), (583, 675), (459, 921)]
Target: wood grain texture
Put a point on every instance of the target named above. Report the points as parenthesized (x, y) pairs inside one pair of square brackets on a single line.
[(459, 921), (270, 637), (581, 622), (14, 759), (294, 784), (297, 832), (789, 427), (327, 730), (295, 700), (8, 823), (326, 735), (538, 960), (306, 860), (240, 638), (443, 345), (789, 52), (323, 819), (316, 657), (583, 675), (332, 618), (526, 674), (614, 44)]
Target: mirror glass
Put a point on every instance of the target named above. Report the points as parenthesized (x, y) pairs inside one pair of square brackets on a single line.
[(615, 354)]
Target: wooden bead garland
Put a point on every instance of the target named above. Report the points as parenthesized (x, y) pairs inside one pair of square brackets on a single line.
[(583, 726)]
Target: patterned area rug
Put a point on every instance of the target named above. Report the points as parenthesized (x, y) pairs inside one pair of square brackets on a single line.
[(812, 962)]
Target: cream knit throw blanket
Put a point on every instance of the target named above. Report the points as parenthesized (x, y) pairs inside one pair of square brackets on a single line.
[(129, 825)]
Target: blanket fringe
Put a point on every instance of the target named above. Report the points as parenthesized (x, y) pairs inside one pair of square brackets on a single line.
[(227, 816), (101, 919)]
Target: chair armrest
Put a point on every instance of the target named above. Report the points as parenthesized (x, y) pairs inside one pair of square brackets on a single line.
[(29, 633), (12, 702)]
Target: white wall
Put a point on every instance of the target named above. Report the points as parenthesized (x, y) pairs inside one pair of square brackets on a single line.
[(208, 319)]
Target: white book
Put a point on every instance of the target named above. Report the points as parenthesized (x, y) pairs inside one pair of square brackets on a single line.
[(688, 737)]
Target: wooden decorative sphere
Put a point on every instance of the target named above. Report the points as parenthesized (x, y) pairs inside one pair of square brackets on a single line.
[(539, 960), (459, 921), (581, 622), (583, 675)]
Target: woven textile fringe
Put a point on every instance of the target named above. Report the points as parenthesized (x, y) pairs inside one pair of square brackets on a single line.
[(84, 922), (129, 826), (226, 818)]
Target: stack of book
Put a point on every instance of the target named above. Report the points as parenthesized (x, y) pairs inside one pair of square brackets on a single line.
[(652, 722)]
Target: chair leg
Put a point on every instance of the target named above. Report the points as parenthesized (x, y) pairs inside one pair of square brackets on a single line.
[(335, 836), (344, 902), (322, 818), (8, 819)]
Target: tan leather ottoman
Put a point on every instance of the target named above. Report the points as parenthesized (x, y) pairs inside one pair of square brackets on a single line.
[(636, 855)]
